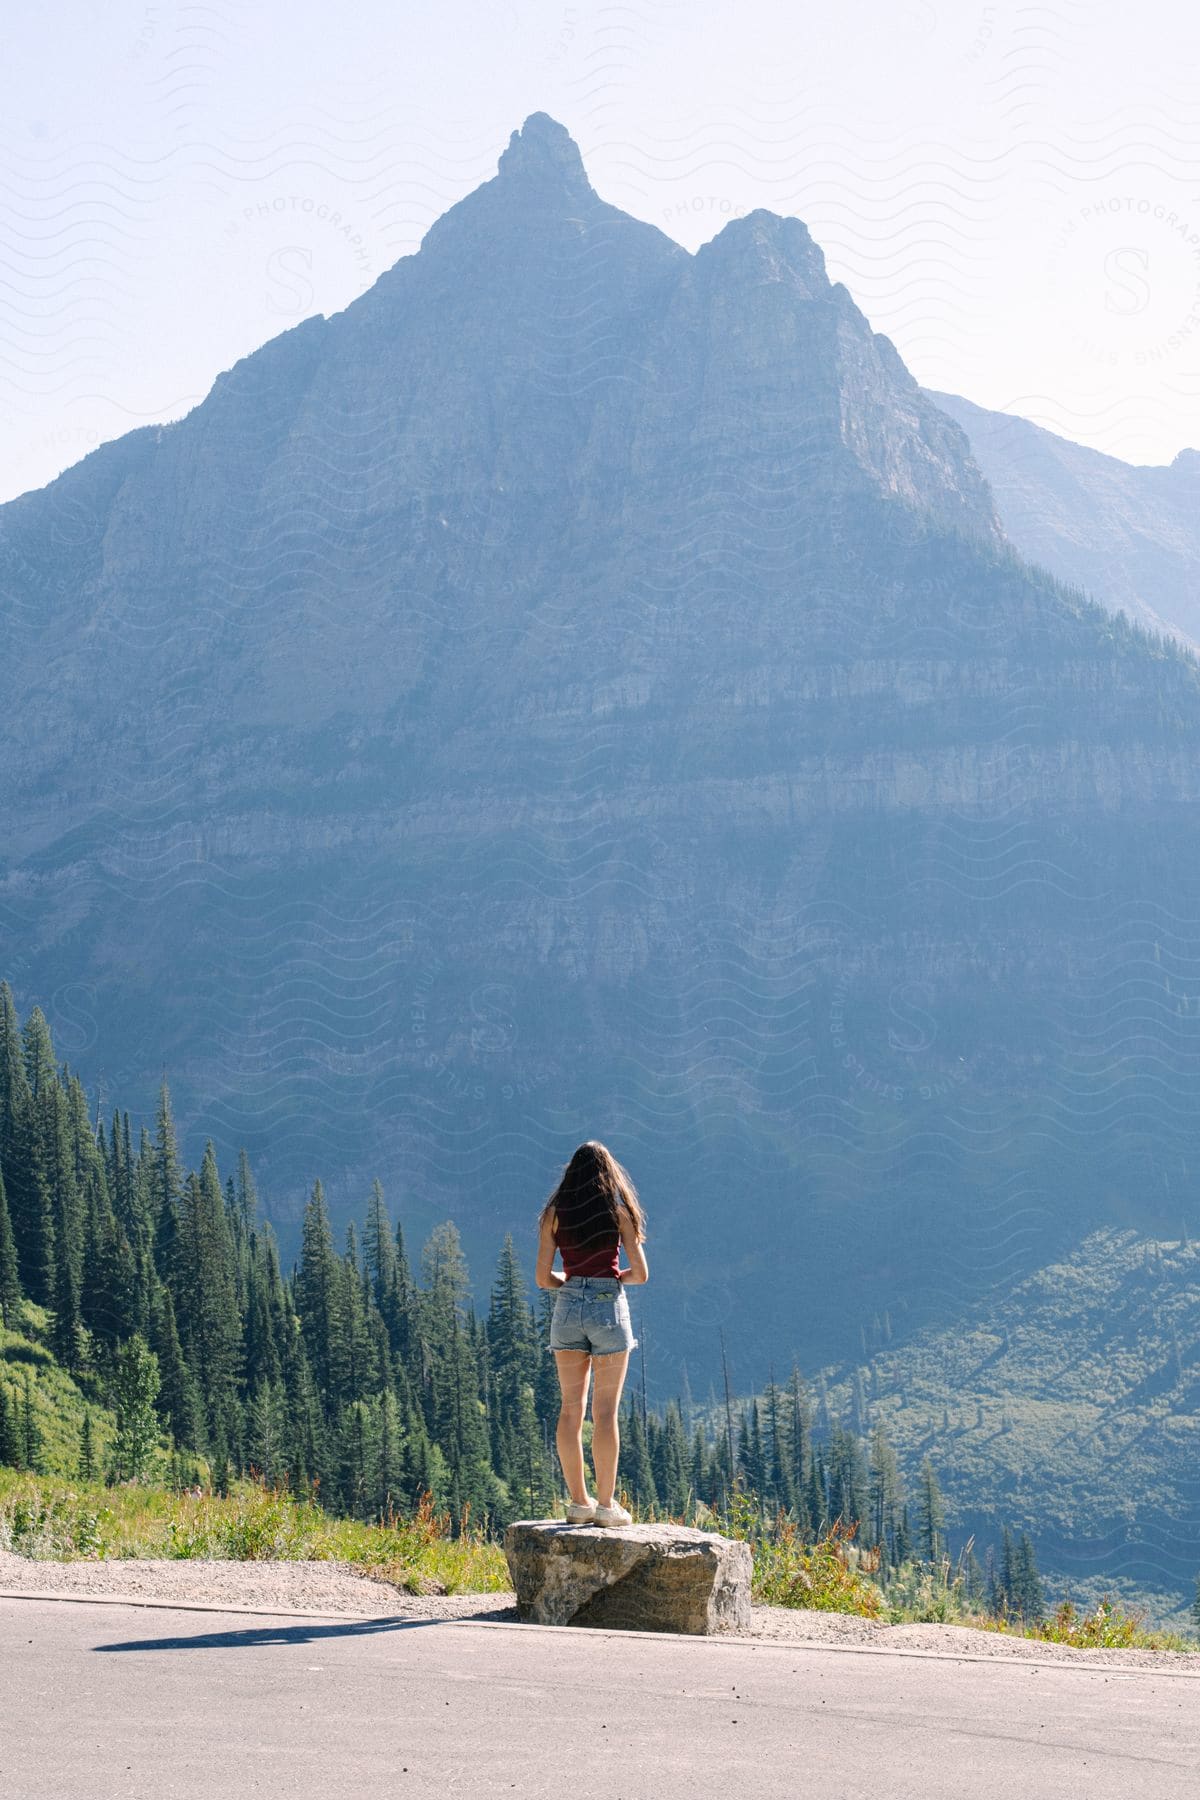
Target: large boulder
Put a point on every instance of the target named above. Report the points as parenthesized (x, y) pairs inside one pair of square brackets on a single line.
[(629, 1578)]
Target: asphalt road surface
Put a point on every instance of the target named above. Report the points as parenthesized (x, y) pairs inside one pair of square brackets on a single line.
[(103, 1700)]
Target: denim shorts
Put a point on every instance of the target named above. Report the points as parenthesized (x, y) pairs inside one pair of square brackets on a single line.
[(591, 1312)]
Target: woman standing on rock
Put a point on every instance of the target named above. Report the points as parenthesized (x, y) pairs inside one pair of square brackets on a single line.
[(592, 1212)]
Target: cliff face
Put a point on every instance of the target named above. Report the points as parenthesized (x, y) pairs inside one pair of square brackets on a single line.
[(1128, 535), (584, 690)]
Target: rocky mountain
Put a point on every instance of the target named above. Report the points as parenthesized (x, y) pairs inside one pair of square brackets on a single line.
[(1128, 535), (584, 689)]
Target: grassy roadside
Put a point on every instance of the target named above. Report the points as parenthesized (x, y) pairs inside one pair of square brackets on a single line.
[(50, 1520), (46, 1519)]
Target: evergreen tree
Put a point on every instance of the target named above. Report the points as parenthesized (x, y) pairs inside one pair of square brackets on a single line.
[(87, 1450), (974, 1584), (267, 1433), (206, 1302), (10, 1437), (10, 1287), (931, 1515), (1030, 1600), (1006, 1580), (634, 1471), (671, 1465), (177, 1402), (14, 1083), (108, 1297), (380, 1249), (905, 1549), (817, 1505), (166, 1188), (31, 1434), (67, 1163), (134, 1391), (317, 1289), (30, 1199), (848, 1481), (994, 1584), (66, 1336), (887, 1494), (387, 1473)]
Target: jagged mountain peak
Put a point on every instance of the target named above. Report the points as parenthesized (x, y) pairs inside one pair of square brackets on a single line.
[(779, 241), (539, 196), (544, 151)]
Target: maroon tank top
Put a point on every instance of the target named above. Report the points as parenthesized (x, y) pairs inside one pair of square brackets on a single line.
[(586, 1236)]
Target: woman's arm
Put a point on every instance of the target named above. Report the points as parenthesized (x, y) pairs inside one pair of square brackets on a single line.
[(545, 1275), (637, 1272)]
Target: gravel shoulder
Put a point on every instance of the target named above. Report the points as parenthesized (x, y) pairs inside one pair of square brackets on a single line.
[(333, 1588)]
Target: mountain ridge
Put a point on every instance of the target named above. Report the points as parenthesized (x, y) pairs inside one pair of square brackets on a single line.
[(583, 689)]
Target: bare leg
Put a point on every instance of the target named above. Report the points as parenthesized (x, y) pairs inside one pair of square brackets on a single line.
[(608, 1380), (573, 1369)]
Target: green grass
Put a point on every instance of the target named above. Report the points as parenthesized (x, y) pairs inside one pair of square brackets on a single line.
[(49, 1520), (1109, 1627)]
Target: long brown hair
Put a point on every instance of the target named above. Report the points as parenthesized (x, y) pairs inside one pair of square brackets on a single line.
[(594, 1172)]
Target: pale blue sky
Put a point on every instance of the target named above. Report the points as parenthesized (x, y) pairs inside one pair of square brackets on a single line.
[(1010, 191)]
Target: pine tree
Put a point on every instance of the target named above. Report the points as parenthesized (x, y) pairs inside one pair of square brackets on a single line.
[(817, 1500), (267, 1432), (671, 1472), (931, 1514), (848, 1478), (380, 1249), (246, 1203), (10, 1287), (134, 1391), (14, 1082), (177, 1401), (66, 1336), (358, 1455), (206, 1300), (166, 1188), (317, 1290), (974, 1584), (387, 1473), (886, 1493), (31, 1435), (30, 1199), (1031, 1602), (10, 1437), (87, 1450), (1006, 1580), (993, 1583), (634, 1471)]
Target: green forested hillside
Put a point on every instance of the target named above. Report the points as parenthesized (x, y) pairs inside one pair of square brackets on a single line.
[(356, 1376), (1066, 1404), (46, 1407), (373, 1385)]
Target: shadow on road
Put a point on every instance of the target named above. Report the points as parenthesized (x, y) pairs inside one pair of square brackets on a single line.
[(256, 1636)]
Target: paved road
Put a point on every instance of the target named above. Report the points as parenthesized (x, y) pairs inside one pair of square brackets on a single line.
[(99, 1701)]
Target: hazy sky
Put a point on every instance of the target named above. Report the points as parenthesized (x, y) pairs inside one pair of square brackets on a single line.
[(1011, 192)]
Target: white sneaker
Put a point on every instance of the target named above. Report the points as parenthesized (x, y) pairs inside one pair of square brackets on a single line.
[(580, 1514), (612, 1515)]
